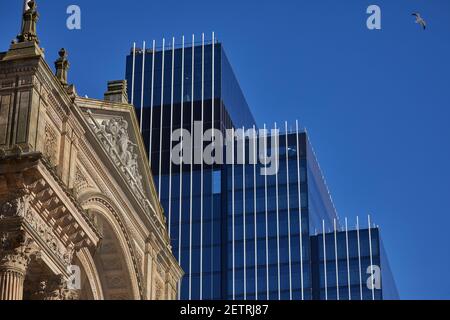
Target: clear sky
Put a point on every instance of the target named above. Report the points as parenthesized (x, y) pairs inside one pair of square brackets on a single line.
[(376, 103)]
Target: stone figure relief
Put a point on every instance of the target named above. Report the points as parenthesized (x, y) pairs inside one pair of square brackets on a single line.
[(114, 135)]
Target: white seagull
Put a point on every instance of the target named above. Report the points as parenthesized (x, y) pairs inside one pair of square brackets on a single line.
[(420, 20)]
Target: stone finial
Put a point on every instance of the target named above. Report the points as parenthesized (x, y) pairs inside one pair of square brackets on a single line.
[(117, 91), (30, 19), (62, 67)]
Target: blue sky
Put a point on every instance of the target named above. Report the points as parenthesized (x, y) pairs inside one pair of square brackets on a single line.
[(376, 103)]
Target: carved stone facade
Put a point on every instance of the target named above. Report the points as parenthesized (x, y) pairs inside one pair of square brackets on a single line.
[(79, 214)]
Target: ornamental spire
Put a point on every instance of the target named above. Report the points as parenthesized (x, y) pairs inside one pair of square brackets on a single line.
[(30, 19), (62, 67)]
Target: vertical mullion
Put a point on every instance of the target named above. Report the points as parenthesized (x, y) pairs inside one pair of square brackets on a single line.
[(192, 167), (299, 208), (359, 259), (371, 257), (336, 258), (277, 214), (233, 219), (255, 212), (243, 212), (181, 165), (348, 261), (133, 73), (325, 259), (288, 211), (213, 82), (213, 143), (141, 118), (201, 168), (170, 142), (266, 217), (161, 118), (150, 150), (212, 85)]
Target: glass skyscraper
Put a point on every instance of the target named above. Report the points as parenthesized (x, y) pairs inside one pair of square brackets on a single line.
[(237, 232), (179, 86)]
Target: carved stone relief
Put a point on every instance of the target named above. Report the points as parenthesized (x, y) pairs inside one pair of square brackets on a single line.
[(52, 288), (50, 144), (159, 290), (17, 249), (46, 234), (113, 134), (80, 182), (13, 208)]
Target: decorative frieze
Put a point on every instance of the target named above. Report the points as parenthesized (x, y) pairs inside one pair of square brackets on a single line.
[(49, 238), (50, 144)]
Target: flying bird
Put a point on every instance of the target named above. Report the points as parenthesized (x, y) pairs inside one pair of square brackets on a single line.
[(420, 20)]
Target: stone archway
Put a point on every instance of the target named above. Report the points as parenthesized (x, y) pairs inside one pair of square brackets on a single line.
[(91, 286), (113, 259), (111, 264)]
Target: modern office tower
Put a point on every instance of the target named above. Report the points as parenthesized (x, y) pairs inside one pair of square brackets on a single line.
[(191, 84), (236, 229)]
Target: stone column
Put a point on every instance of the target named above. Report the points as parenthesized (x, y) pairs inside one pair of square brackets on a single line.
[(12, 275), (15, 249), (15, 252)]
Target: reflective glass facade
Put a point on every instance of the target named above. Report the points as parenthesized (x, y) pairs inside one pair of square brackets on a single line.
[(268, 225), (238, 234), (181, 85), (276, 226), (350, 266)]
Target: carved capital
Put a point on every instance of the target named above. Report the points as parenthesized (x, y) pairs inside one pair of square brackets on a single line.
[(15, 261), (16, 207), (53, 288), (16, 250)]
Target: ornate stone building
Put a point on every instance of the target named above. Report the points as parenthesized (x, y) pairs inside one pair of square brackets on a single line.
[(79, 215)]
